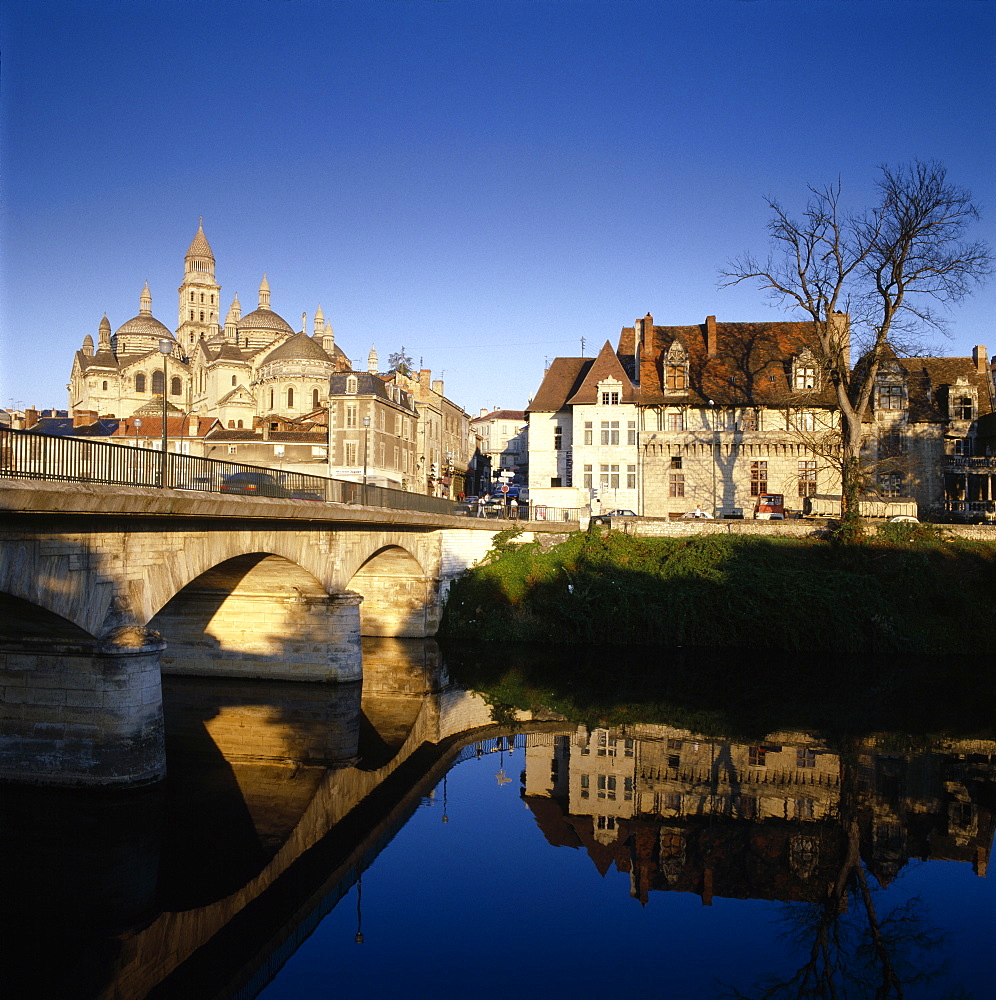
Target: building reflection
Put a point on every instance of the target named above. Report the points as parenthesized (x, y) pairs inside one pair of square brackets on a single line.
[(682, 812)]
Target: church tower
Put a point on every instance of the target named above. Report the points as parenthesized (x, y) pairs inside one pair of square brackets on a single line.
[(200, 295)]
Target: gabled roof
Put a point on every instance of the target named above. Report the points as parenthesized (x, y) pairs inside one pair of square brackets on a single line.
[(515, 415), (605, 366), (562, 379)]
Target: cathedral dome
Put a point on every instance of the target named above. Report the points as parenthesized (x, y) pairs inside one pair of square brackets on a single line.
[(266, 320), (144, 325), (300, 347)]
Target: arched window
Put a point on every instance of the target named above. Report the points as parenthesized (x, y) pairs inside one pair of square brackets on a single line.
[(314, 397), (240, 423), (271, 399), (351, 385), (202, 315), (175, 386), (231, 423), (290, 399), (158, 382), (104, 386), (140, 382), (202, 296), (233, 380), (212, 300)]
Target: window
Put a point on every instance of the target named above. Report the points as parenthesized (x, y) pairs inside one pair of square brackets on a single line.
[(631, 477), (555, 481), (610, 432), (807, 478), (758, 478), (191, 296), (104, 386), (607, 787), (676, 421), (558, 438), (314, 399), (755, 756), (748, 422), (607, 822), (351, 449), (805, 377), (233, 380), (351, 415), (231, 423), (351, 385), (233, 449), (804, 757), (271, 399), (587, 432), (585, 785), (890, 485), (610, 399), (963, 408), (676, 484), (631, 432), (675, 378), (175, 386), (963, 446), (804, 420), (202, 315), (608, 477), (158, 382), (676, 462), (290, 399), (587, 477), (889, 396)]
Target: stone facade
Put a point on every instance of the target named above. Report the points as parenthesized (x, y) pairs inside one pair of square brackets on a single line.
[(717, 414)]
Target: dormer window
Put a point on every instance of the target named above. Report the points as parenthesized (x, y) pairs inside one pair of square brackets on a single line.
[(804, 372), (351, 385), (889, 396), (676, 369), (610, 398), (962, 408)]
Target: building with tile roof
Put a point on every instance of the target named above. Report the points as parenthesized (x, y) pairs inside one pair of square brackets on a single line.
[(714, 415)]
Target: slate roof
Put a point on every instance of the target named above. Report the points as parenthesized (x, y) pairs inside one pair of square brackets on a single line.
[(562, 379), (751, 366), (605, 366)]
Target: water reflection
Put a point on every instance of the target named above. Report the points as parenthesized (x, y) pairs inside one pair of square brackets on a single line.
[(280, 795)]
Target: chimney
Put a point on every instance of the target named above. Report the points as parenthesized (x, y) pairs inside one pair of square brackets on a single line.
[(484, 413), (437, 386), (192, 426), (83, 418), (841, 323), (710, 325), (30, 418), (978, 356)]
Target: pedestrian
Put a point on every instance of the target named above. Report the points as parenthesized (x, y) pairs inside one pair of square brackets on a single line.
[(482, 504)]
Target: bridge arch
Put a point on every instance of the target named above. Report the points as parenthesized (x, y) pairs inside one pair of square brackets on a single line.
[(398, 597), (260, 614)]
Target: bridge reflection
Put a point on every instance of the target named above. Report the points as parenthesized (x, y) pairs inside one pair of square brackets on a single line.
[(280, 794)]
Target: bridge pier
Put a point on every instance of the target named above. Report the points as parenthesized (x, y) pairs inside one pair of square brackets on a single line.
[(83, 713)]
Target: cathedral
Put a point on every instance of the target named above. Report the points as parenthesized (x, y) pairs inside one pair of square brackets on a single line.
[(251, 367)]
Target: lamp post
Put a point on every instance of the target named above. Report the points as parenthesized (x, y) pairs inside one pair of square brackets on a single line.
[(165, 349), (366, 435), (715, 455)]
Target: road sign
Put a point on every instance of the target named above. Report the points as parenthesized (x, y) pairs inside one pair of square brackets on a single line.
[(504, 488)]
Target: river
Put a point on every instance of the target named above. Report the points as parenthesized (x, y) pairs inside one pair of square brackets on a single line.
[(482, 822)]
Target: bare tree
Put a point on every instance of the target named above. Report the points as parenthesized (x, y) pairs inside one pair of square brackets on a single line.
[(871, 282)]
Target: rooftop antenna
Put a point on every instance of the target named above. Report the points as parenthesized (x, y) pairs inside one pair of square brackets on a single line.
[(582, 347)]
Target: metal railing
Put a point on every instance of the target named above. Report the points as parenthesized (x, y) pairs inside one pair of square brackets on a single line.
[(24, 455)]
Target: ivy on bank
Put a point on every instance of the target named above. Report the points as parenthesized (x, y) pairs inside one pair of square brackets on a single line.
[(910, 588)]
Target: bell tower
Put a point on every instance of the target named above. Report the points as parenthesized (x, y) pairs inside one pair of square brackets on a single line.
[(200, 295)]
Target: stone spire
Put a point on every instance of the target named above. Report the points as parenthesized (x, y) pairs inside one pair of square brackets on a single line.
[(145, 302), (319, 320), (264, 294), (104, 333), (373, 365), (88, 346), (232, 320)]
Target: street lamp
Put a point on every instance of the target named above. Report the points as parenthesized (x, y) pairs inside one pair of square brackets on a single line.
[(715, 455), (366, 434), (165, 349)]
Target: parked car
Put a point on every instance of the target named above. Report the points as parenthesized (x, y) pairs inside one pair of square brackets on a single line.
[(697, 514), (262, 484), (465, 509), (608, 515)]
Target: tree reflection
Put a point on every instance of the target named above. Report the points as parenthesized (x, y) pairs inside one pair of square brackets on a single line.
[(851, 951)]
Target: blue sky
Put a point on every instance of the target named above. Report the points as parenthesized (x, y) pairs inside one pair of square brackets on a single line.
[(483, 183)]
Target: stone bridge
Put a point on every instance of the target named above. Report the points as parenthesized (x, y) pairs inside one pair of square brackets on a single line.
[(102, 589)]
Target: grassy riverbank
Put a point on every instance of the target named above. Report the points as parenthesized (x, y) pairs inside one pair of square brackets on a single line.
[(909, 588)]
